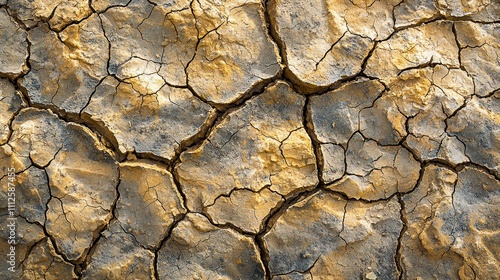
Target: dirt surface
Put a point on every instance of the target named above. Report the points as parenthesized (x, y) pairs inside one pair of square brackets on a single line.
[(300, 139)]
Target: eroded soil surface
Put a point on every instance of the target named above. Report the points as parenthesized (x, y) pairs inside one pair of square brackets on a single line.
[(299, 139)]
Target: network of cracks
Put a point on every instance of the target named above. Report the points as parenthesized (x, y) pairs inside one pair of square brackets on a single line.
[(250, 140)]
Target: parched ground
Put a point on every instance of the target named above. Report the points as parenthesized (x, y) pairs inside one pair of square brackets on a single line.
[(285, 139)]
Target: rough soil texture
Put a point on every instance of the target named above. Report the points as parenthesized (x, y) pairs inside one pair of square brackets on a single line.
[(273, 139)]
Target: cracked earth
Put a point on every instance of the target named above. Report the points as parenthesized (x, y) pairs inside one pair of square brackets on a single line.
[(286, 140)]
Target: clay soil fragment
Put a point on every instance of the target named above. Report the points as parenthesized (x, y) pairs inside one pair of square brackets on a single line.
[(262, 145), (335, 238)]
